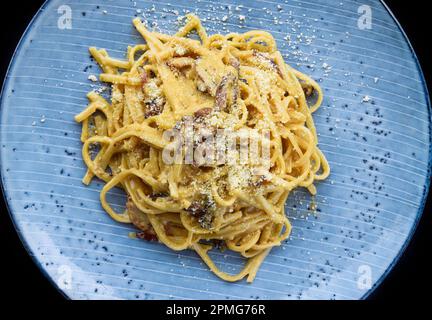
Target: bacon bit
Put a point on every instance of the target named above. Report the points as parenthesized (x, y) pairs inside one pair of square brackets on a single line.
[(203, 210), (206, 81), (196, 208), (168, 229), (222, 92), (201, 113), (234, 62), (307, 89), (140, 220), (181, 62), (144, 78), (153, 109), (270, 61), (154, 196), (146, 235)]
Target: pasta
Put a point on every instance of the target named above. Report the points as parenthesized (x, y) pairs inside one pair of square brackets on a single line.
[(233, 82)]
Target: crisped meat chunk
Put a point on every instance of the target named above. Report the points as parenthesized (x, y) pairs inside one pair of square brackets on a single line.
[(209, 72), (226, 92), (203, 209), (269, 62), (154, 98), (140, 220), (181, 62), (201, 113)]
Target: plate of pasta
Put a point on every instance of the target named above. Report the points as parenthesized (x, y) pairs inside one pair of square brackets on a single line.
[(215, 150)]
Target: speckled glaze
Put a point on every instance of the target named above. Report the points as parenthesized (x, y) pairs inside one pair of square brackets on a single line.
[(374, 127)]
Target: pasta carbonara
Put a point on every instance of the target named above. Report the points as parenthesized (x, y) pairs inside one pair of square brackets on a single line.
[(235, 82)]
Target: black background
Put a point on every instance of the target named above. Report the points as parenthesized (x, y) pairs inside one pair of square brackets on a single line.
[(21, 279)]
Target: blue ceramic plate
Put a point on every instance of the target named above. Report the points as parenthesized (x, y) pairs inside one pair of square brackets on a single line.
[(374, 127)]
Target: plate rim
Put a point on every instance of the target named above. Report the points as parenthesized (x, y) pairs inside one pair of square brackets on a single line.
[(427, 191), (24, 243), (366, 295)]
